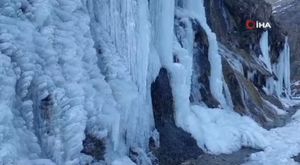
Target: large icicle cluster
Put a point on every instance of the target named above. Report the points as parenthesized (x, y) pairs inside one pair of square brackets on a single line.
[(280, 87), (198, 119), (55, 90), (123, 56), (197, 10), (282, 71)]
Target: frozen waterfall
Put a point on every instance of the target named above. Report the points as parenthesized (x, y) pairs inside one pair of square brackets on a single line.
[(197, 10), (76, 71), (282, 71), (281, 68)]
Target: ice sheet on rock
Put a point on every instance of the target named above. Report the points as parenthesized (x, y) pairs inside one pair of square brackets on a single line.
[(275, 108), (197, 10), (233, 58), (287, 102), (180, 80)]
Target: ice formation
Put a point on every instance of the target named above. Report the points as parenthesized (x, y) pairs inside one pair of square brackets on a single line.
[(265, 58), (72, 68), (281, 68), (282, 71), (199, 120), (197, 10), (264, 46)]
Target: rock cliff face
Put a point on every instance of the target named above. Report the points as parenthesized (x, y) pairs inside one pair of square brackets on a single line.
[(227, 19)]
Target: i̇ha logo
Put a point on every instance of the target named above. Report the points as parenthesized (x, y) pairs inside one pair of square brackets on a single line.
[(251, 25)]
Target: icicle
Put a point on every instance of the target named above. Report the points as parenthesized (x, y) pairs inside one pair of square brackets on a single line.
[(162, 15), (279, 71), (264, 46), (287, 81), (265, 58), (282, 71), (181, 74)]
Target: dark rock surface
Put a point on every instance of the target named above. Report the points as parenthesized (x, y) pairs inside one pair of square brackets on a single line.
[(201, 68), (94, 147), (227, 19), (295, 88), (175, 144), (297, 158), (246, 93)]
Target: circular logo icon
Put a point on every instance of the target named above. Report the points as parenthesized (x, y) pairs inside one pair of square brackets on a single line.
[(250, 25)]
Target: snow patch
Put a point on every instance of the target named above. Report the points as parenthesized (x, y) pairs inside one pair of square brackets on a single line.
[(284, 143), (219, 131)]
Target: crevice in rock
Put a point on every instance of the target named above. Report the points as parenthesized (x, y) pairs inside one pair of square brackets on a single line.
[(201, 69), (176, 145)]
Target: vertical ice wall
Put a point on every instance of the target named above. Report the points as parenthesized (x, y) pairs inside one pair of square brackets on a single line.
[(162, 17), (264, 46), (282, 71), (60, 92), (14, 143), (265, 58), (196, 8), (162, 20), (287, 72), (121, 32)]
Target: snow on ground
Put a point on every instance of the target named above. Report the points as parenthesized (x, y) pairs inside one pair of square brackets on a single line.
[(284, 143), (224, 131)]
